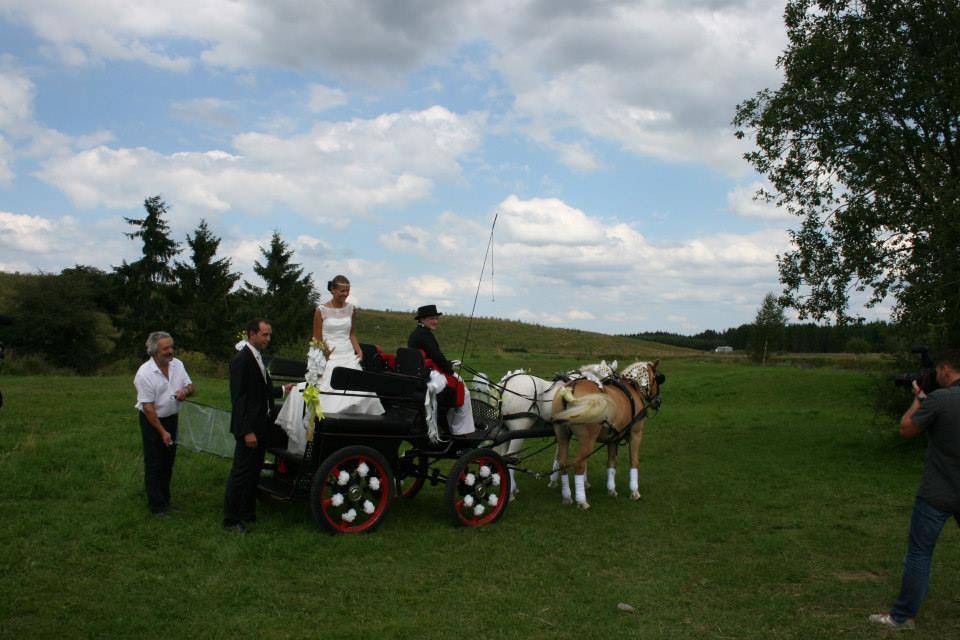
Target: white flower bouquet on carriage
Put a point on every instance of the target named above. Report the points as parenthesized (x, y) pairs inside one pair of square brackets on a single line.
[(302, 405)]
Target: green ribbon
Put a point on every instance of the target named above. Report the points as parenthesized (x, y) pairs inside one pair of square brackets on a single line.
[(311, 397)]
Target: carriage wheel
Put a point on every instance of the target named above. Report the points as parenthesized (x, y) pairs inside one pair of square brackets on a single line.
[(411, 475), (352, 490), (478, 488)]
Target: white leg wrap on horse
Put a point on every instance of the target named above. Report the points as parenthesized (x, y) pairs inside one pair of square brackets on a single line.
[(611, 479), (565, 486), (581, 491), (634, 480), (513, 483), (555, 472)]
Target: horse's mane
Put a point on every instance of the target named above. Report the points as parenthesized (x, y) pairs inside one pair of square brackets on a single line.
[(639, 372)]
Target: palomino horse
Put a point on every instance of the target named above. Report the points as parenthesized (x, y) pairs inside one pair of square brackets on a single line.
[(607, 413), (526, 401)]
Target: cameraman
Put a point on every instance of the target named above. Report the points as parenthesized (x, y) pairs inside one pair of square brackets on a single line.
[(938, 498)]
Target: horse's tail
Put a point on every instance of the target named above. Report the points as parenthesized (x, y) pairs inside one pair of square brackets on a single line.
[(588, 409)]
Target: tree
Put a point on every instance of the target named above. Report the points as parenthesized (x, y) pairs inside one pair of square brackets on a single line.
[(61, 318), (768, 328), (146, 284), (158, 248), (861, 142), (203, 296), (287, 299)]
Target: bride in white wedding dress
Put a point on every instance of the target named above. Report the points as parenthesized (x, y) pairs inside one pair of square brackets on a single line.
[(333, 321)]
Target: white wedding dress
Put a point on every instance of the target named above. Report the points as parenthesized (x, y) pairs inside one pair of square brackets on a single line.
[(336, 332)]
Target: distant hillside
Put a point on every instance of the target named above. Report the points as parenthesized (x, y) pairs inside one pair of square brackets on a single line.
[(390, 329)]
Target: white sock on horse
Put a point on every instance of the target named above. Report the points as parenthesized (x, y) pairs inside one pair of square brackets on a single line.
[(513, 483), (611, 479), (555, 472), (565, 486), (581, 491), (634, 479)]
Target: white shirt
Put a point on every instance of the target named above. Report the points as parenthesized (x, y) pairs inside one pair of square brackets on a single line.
[(153, 386)]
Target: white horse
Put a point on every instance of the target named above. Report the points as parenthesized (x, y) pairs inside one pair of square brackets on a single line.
[(526, 401)]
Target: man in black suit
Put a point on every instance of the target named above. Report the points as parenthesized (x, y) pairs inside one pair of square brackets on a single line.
[(252, 424), (461, 418)]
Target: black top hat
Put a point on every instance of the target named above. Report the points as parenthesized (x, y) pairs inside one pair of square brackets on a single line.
[(426, 311)]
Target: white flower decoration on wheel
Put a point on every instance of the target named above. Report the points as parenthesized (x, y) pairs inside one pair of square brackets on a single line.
[(470, 480), (478, 510), (363, 469), (374, 483), (336, 499), (484, 471), (343, 478), (468, 501), (368, 507), (349, 516), (495, 479), (493, 500)]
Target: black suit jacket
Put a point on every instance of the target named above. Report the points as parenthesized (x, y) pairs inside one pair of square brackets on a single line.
[(423, 338), (251, 396)]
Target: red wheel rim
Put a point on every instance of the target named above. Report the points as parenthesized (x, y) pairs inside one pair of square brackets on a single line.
[(359, 505), (481, 495)]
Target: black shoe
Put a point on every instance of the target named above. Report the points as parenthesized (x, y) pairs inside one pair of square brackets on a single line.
[(236, 527)]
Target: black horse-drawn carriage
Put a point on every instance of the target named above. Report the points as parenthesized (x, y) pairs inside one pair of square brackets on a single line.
[(355, 466)]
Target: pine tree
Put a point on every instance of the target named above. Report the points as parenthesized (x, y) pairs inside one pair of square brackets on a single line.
[(146, 284), (288, 298), (203, 296)]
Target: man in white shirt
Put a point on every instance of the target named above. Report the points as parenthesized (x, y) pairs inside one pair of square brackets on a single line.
[(162, 384)]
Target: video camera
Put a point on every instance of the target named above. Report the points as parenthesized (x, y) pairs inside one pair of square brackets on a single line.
[(926, 377)]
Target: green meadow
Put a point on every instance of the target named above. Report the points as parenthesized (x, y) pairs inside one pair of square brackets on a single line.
[(775, 506)]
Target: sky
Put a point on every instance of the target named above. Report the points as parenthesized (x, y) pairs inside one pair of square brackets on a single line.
[(382, 139)]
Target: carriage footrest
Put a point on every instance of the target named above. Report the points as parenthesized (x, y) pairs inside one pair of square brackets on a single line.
[(276, 488), (281, 453)]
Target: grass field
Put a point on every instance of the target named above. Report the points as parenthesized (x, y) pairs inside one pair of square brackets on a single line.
[(774, 507)]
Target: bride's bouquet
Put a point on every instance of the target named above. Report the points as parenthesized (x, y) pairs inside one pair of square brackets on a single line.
[(317, 356)]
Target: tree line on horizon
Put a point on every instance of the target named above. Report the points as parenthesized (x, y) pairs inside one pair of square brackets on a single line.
[(85, 317)]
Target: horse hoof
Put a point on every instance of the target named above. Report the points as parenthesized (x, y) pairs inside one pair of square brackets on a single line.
[(552, 484), (635, 495), (567, 501), (583, 506), (612, 493)]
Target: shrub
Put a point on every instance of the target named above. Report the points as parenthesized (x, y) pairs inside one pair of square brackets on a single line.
[(31, 364)]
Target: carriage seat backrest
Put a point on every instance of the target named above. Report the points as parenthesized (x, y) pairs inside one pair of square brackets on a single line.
[(373, 359), (411, 362)]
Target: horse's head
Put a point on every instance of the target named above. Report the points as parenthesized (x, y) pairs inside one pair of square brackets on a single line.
[(644, 377)]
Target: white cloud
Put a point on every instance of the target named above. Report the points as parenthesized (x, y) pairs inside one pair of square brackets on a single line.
[(334, 171), (408, 239), (578, 314), (323, 98), (206, 110), (741, 202), (657, 78), (26, 233), (16, 101)]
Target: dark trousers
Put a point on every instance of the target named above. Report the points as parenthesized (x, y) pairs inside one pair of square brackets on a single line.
[(240, 503), (158, 461)]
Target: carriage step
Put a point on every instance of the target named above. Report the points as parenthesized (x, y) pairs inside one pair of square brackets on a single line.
[(276, 488)]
